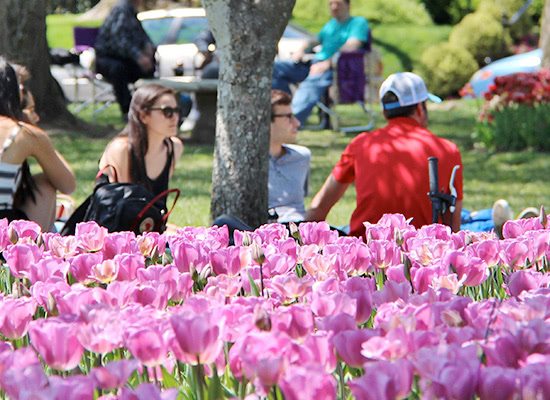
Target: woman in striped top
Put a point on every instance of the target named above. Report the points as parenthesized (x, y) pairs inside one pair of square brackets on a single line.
[(22, 195)]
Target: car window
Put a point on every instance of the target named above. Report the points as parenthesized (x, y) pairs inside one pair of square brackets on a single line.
[(189, 29), (158, 29)]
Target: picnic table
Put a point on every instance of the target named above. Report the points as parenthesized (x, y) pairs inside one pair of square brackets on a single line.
[(206, 93)]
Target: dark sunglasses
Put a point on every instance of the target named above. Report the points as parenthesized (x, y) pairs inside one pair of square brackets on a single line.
[(167, 111), (290, 116)]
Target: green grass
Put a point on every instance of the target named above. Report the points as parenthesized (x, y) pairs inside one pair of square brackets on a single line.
[(59, 31), (519, 177)]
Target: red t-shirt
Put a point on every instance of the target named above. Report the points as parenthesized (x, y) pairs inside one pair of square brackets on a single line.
[(390, 170)]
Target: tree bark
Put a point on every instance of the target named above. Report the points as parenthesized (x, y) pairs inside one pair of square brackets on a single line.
[(545, 36), (23, 41), (246, 32)]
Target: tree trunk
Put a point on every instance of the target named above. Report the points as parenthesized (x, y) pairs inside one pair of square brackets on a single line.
[(23, 41), (246, 32), (545, 36)]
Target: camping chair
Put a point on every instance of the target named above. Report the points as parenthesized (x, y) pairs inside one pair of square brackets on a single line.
[(357, 76), (102, 91)]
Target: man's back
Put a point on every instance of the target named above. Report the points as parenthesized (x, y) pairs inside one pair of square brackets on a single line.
[(390, 169)]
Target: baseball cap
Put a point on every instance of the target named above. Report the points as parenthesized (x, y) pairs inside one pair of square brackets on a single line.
[(409, 88)]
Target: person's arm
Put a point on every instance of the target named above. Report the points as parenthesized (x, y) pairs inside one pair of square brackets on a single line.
[(55, 167), (117, 155), (325, 199), (298, 54), (456, 217), (178, 151)]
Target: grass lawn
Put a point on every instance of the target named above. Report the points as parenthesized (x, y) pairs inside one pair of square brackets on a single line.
[(519, 177)]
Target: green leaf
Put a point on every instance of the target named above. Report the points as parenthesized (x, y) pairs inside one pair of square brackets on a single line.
[(169, 380), (253, 287)]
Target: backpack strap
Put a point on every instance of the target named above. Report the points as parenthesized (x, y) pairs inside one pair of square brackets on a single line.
[(9, 140)]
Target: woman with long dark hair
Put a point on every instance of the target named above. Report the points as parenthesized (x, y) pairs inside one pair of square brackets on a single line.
[(22, 195), (147, 149)]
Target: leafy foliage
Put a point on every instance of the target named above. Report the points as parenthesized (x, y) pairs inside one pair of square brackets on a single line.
[(505, 9), (516, 113), (449, 12), (482, 36), (446, 68)]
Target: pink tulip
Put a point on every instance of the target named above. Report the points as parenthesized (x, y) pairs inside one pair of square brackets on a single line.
[(46, 268), (337, 323), (25, 229), (525, 280), (20, 257), (224, 285), (278, 264), (77, 387), (348, 345), (62, 246), (515, 229), (119, 243), (24, 374), (113, 375), (311, 383), (148, 241), (497, 383), (394, 345), (198, 336), (383, 381), (318, 233), (474, 269), (384, 253), (56, 341), (147, 391), (317, 350), (230, 260), (261, 357), (290, 286), (106, 271), (90, 236), (15, 316), (422, 278), (535, 381), (514, 253), (147, 343), (295, 320), (81, 266), (269, 233), (44, 292), (487, 250), (128, 266), (4, 237), (391, 292), (189, 255), (103, 330), (320, 267)]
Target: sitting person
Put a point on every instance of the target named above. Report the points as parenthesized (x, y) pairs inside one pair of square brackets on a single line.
[(26, 196), (206, 45), (342, 33), (390, 165), (147, 150), (124, 51), (288, 167)]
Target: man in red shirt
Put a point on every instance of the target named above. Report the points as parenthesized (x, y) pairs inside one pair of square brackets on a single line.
[(390, 165)]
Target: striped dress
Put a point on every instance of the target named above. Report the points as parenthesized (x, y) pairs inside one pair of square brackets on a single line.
[(10, 174)]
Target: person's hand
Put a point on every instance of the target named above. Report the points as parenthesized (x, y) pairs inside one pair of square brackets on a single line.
[(319, 67), (145, 62), (297, 55), (207, 58)]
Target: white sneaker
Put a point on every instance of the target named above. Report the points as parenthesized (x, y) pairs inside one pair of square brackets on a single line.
[(501, 213)]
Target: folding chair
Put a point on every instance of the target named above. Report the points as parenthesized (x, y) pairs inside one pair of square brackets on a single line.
[(102, 91), (357, 76)]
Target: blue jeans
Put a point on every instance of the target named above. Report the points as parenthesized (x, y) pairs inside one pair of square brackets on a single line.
[(480, 221), (310, 90)]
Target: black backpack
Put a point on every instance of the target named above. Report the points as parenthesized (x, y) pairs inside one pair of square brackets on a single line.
[(122, 207)]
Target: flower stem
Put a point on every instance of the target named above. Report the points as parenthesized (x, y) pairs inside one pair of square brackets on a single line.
[(341, 380)]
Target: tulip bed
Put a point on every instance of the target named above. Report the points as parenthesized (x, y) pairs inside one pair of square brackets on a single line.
[(410, 313)]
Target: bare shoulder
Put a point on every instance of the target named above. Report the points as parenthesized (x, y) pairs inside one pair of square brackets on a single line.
[(116, 152), (178, 146)]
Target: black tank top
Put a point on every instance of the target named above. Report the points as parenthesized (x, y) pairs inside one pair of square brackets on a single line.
[(160, 184)]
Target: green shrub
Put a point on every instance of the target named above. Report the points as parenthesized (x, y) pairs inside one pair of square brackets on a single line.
[(507, 8), (449, 12), (446, 68), (376, 11), (482, 36)]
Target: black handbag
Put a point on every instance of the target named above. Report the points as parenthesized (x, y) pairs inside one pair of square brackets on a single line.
[(122, 207)]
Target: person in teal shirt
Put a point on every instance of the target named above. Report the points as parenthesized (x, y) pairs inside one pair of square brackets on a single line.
[(342, 33)]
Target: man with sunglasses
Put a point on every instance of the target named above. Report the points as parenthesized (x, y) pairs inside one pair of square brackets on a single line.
[(390, 165), (289, 166)]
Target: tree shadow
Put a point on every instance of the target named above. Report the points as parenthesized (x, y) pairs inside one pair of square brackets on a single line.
[(403, 57)]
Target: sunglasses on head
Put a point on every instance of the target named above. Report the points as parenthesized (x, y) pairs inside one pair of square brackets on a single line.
[(167, 110)]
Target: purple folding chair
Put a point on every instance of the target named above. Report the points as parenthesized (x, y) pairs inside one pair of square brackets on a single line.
[(84, 37)]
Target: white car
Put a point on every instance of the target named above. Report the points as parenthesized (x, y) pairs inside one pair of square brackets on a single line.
[(174, 32)]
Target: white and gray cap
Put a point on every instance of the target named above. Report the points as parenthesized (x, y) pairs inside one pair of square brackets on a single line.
[(409, 88)]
